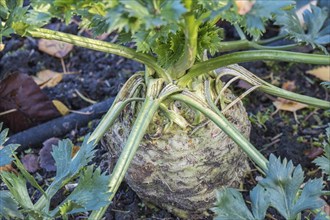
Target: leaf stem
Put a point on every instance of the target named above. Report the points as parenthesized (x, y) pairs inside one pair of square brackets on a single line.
[(247, 56), (109, 119), (226, 126), (240, 32), (262, 47), (101, 46), (141, 124), (187, 59), (270, 40), (246, 44), (234, 45), (273, 90)]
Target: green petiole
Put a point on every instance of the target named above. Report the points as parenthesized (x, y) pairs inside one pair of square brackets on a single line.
[(247, 56)]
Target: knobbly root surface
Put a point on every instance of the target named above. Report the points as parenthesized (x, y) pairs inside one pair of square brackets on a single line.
[(180, 171)]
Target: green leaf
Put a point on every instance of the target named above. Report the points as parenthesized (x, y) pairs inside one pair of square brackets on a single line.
[(41, 12), (171, 50), (68, 207), (8, 206), (20, 27), (17, 186), (321, 216), (6, 151), (67, 167), (135, 8), (261, 12), (259, 202), (255, 20), (3, 135), (15, 19), (214, 7), (278, 189), (133, 16), (91, 193), (11, 4), (310, 197), (324, 164), (28, 176), (98, 9), (143, 40), (324, 161), (3, 10), (326, 84), (230, 205), (318, 28), (209, 38), (282, 183), (171, 10)]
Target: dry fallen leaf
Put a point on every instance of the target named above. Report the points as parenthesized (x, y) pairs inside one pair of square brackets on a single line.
[(313, 152), (288, 105), (46, 159), (244, 6), (323, 73), (20, 93), (47, 78), (55, 48), (61, 107), (30, 162), (289, 85)]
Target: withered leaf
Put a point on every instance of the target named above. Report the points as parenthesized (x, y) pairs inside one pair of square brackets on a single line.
[(46, 159), (244, 6), (289, 106), (20, 92), (289, 85), (323, 73), (313, 152), (30, 162), (55, 48), (61, 107), (47, 78)]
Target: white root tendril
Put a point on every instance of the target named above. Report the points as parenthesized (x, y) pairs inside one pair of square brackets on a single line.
[(239, 98), (239, 73)]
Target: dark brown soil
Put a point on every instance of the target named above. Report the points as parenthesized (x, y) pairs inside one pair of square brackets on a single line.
[(101, 75)]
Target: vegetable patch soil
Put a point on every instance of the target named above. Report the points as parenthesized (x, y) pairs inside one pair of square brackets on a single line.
[(98, 76)]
